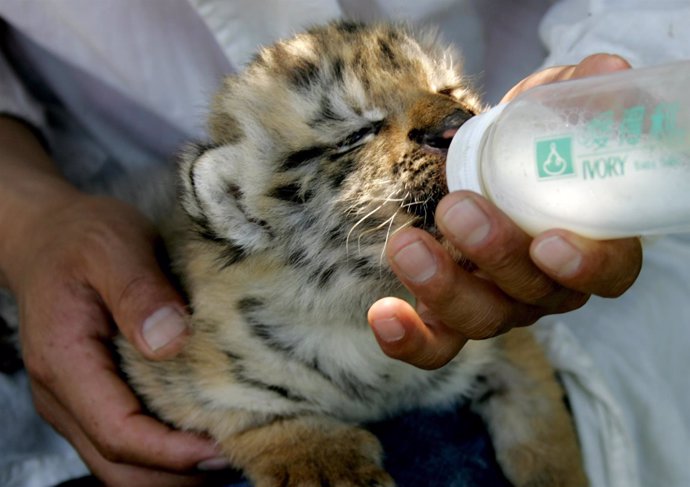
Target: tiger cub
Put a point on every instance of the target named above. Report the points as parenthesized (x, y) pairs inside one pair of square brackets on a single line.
[(322, 147)]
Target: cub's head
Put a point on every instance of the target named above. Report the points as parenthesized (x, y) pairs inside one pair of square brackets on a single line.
[(325, 145)]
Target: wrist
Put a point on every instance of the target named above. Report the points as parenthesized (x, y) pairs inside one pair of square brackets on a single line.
[(32, 191), (27, 212)]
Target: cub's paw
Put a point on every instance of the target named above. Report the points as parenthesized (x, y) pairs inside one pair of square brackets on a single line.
[(529, 468), (313, 452), (327, 471)]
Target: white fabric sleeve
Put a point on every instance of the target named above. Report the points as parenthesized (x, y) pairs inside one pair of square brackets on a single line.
[(624, 362), (646, 33), (15, 100)]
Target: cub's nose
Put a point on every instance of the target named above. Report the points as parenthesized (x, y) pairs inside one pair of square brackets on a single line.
[(438, 136)]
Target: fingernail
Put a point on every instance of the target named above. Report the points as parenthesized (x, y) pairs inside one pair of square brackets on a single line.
[(162, 327), (558, 255), (467, 222), (389, 329), (416, 262), (218, 463)]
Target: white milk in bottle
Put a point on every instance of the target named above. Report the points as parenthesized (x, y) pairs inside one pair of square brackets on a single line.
[(606, 156)]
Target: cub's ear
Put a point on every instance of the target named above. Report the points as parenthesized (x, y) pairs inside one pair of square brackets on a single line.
[(213, 198)]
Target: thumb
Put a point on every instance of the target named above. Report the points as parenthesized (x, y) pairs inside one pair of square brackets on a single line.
[(143, 302)]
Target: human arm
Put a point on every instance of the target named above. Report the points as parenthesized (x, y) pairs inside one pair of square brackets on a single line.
[(79, 265), (518, 279)]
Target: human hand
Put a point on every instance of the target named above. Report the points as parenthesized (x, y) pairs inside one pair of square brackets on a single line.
[(81, 268), (517, 279)]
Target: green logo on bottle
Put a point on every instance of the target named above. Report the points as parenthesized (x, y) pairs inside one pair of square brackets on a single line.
[(555, 158)]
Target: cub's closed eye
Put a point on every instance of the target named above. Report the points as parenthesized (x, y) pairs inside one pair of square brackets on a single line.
[(359, 137)]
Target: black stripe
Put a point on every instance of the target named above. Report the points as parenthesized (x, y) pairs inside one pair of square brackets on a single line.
[(203, 230), (231, 255), (337, 69), (347, 382), (303, 74), (239, 373), (336, 236), (203, 227), (236, 193), (301, 157), (284, 392), (326, 114), (229, 252), (386, 50), (325, 276), (350, 26), (388, 55), (346, 164), (364, 268), (251, 307), (234, 357), (395, 34), (292, 193), (483, 390), (192, 182), (298, 258)]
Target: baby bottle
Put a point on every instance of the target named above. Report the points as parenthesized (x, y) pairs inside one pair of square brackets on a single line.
[(606, 156)]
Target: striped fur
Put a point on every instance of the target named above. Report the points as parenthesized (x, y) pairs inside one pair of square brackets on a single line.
[(324, 146)]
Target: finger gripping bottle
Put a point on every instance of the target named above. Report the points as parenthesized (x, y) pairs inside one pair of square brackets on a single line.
[(605, 157)]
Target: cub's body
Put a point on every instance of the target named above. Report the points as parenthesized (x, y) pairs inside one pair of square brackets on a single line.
[(323, 147)]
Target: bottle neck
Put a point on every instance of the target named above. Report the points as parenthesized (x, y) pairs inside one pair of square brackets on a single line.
[(463, 164)]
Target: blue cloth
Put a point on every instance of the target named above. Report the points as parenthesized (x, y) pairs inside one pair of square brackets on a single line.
[(439, 449)]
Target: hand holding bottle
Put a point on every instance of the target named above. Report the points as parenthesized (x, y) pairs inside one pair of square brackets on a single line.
[(519, 278)]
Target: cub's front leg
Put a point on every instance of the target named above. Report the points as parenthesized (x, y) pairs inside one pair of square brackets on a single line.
[(523, 406), (308, 451)]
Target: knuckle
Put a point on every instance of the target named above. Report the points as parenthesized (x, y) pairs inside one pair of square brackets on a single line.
[(622, 266), (97, 237), (110, 447), (429, 359), (44, 411), (133, 290), (488, 324), (37, 369), (541, 291), (421, 354), (522, 281), (507, 317), (613, 288), (498, 256), (574, 301)]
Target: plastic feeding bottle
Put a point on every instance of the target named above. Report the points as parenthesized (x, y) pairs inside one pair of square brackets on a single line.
[(606, 156)]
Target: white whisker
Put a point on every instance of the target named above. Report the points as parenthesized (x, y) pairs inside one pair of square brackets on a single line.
[(384, 202), (407, 224), (378, 227), (385, 242)]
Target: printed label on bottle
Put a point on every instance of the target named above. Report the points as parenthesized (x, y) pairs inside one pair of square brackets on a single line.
[(611, 146), (555, 158)]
